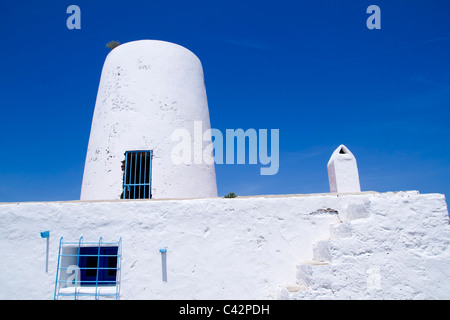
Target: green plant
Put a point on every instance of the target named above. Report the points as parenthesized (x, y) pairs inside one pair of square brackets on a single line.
[(113, 44), (231, 195)]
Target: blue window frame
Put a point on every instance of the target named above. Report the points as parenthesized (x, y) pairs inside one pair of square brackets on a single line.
[(137, 175), (101, 260), (82, 264)]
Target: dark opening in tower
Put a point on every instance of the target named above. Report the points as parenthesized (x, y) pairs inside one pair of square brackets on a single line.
[(137, 169)]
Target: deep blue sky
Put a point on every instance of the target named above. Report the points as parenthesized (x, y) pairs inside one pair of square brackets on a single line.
[(311, 69)]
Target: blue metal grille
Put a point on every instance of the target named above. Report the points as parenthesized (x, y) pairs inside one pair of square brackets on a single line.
[(137, 175), (84, 265)]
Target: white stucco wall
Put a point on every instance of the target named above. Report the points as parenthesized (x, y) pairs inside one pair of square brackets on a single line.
[(148, 89), (242, 248)]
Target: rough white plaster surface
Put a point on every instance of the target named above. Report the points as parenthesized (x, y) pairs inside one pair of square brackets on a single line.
[(343, 173), (361, 246), (147, 90)]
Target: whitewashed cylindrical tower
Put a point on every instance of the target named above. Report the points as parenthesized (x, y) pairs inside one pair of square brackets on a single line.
[(148, 89)]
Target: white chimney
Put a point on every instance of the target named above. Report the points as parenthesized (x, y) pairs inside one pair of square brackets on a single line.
[(343, 171)]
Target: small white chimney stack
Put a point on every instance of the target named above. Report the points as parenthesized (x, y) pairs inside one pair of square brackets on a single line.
[(343, 171)]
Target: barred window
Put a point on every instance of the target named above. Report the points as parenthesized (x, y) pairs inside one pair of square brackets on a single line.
[(88, 269), (98, 265), (137, 175)]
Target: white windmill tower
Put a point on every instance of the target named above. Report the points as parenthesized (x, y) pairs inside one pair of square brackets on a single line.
[(147, 90)]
